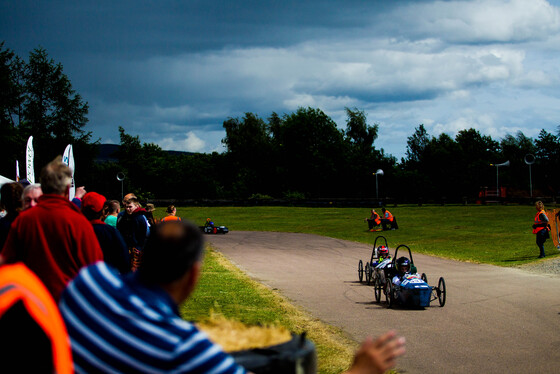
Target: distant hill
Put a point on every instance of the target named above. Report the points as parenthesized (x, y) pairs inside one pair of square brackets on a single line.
[(107, 153)]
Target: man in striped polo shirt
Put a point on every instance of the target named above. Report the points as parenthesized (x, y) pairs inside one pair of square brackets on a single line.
[(130, 323)]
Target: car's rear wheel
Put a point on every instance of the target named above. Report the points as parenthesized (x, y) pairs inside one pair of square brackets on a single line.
[(360, 270), (368, 273), (390, 294), (441, 292), (377, 286)]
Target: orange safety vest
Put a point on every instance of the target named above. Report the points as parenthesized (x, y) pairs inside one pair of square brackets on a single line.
[(19, 284), (375, 217), (170, 218), (538, 221), (388, 215)]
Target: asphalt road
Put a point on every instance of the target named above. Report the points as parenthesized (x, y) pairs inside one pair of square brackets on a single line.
[(496, 320)]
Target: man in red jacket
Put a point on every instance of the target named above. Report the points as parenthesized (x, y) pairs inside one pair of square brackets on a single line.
[(54, 239)]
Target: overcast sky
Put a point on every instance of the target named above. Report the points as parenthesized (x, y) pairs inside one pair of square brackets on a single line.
[(173, 71)]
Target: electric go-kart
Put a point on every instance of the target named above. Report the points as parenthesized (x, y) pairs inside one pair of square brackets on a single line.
[(371, 270), (413, 290), (210, 228)]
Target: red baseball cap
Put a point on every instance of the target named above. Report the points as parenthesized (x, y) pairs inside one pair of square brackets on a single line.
[(93, 201)]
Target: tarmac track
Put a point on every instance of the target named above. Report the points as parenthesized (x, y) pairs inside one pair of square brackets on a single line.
[(496, 320)]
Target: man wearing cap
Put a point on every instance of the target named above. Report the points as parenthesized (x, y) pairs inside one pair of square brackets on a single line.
[(53, 239), (115, 252)]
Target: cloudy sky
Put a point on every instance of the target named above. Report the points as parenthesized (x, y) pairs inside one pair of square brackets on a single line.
[(173, 71)]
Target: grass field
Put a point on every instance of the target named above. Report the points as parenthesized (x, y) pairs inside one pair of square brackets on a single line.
[(499, 235)]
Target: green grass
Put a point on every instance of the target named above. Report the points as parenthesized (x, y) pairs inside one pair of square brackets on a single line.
[(499, 235)]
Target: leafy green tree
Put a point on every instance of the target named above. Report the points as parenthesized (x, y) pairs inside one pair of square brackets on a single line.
[(311, 154), (546, 166), (11, 98)]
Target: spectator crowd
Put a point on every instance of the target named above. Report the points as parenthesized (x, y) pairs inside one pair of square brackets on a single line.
[(86, 287)]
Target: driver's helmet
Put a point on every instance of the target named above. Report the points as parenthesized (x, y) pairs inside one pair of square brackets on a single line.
[(382, 251), (403, 265)]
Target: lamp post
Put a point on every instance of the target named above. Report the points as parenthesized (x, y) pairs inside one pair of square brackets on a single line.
[(530, 160), (378, 172), (497, 181), (120, 178)]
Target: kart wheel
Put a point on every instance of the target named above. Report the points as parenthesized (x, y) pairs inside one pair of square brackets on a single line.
[(368, 273), (360, 271), (441, 291), (424, 277), (390, 294), (377, 286)]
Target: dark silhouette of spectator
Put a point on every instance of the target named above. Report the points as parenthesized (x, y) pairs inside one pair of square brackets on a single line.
[(134, 228), (113, 209), (115, 251), (33, 334), (10, 195)]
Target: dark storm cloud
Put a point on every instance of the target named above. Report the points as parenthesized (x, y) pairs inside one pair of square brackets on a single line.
[(173, 71)]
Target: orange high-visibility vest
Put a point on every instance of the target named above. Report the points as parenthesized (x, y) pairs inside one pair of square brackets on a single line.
[(19, 284), (170, 218), (538, 221), (388, 215)]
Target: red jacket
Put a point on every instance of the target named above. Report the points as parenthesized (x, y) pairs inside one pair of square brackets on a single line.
[(55, 240)]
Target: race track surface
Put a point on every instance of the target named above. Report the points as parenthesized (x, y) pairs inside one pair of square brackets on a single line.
[(496, 320)]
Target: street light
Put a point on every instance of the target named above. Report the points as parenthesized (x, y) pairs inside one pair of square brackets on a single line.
[(120, 178), (497, 184), (378, 172), (530, 160)]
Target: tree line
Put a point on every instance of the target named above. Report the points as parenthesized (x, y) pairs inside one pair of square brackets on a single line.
[(294, 156)]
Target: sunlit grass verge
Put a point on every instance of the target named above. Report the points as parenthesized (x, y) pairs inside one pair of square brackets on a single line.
[(226, 290)]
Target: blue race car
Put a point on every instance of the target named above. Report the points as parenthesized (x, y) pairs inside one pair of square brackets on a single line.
[(210, 228), (403, 285)]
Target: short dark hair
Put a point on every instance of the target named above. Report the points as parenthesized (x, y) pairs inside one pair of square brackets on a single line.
[(170, 251), (10, 197)]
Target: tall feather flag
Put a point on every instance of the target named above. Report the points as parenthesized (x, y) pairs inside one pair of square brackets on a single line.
[(17, 171), (29, 156), (68, 159)]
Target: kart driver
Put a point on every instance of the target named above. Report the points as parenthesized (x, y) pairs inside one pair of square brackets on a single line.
[(403, 268), (383, 257)]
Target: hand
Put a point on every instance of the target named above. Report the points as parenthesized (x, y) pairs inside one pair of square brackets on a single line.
[(80, 192), (378, 356), (535, 226)]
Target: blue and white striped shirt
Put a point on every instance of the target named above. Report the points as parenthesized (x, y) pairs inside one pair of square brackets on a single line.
[(117, 324)]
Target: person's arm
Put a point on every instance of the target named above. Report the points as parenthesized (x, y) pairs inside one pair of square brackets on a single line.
[(376, 357)]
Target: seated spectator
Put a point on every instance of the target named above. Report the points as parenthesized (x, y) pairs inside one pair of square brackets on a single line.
[(115, 252), (113, 210), (30, 195), (10, 195), (130, 323), (374, 220), (389, 222), (171, 214)]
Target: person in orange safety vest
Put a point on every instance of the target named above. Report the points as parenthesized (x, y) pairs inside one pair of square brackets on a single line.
[(374, 220), (388, 221), (34, 337), (541, 227)]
